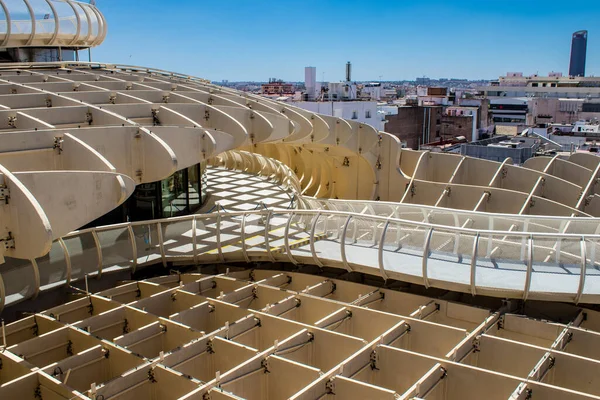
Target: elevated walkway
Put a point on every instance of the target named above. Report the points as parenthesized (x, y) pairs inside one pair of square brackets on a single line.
[(540, 266), (508, 256)]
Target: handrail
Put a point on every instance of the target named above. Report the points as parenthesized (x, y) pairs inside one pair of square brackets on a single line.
[(343, 244), (49, 30), (378, 218), (312, 240), (287, 178), (314, 216), (426, 257), (474, 265), (582, 274)]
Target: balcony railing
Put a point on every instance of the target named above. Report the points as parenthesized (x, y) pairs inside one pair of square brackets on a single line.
[(548, 266)]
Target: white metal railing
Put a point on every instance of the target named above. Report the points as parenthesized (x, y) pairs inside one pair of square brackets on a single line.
[(73, 23), (243, 236), (281, 173)]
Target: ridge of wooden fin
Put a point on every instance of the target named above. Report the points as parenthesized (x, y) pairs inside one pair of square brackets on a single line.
[(24, 226), (71, 199)]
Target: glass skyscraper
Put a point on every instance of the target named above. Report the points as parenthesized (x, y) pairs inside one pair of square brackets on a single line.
[(578, 52)]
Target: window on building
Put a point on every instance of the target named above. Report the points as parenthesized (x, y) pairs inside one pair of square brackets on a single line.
[(591, 107), (174, 195), (534, 85), (354, 114), (368, 114), (194, 187)]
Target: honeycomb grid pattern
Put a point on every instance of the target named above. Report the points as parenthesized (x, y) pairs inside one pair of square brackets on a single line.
[(263, 334)]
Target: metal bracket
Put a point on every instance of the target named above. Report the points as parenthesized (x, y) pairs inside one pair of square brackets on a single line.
[(500, 323), (12, 121), (91, 307), (48, 102), (58, 144), (529, 394), (265, 364), (209, 347), (4, 194), (476, 345), (333, 288), (89, 118), (9, 241), (552, 362), (330, 387), (112, 99), (373, 360), (151, 377), (155, 120), (37, 393)]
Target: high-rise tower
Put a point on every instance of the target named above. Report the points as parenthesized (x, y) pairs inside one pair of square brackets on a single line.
[(310, 81), (578, 52)]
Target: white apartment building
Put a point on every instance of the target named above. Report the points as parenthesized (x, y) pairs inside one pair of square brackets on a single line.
[(360, 111)]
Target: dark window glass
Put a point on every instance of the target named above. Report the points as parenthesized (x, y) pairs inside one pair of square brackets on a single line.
[(174, 195), (516, 107), (591, 107), (145, 202), (194, 193)]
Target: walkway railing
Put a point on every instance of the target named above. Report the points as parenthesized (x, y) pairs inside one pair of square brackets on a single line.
[(561, 267), (281, 173)]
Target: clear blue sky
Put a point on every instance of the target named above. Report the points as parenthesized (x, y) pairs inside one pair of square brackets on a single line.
[(396, 39)]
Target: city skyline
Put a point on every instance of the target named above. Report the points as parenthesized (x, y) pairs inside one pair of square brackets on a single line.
[(243, 41)]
